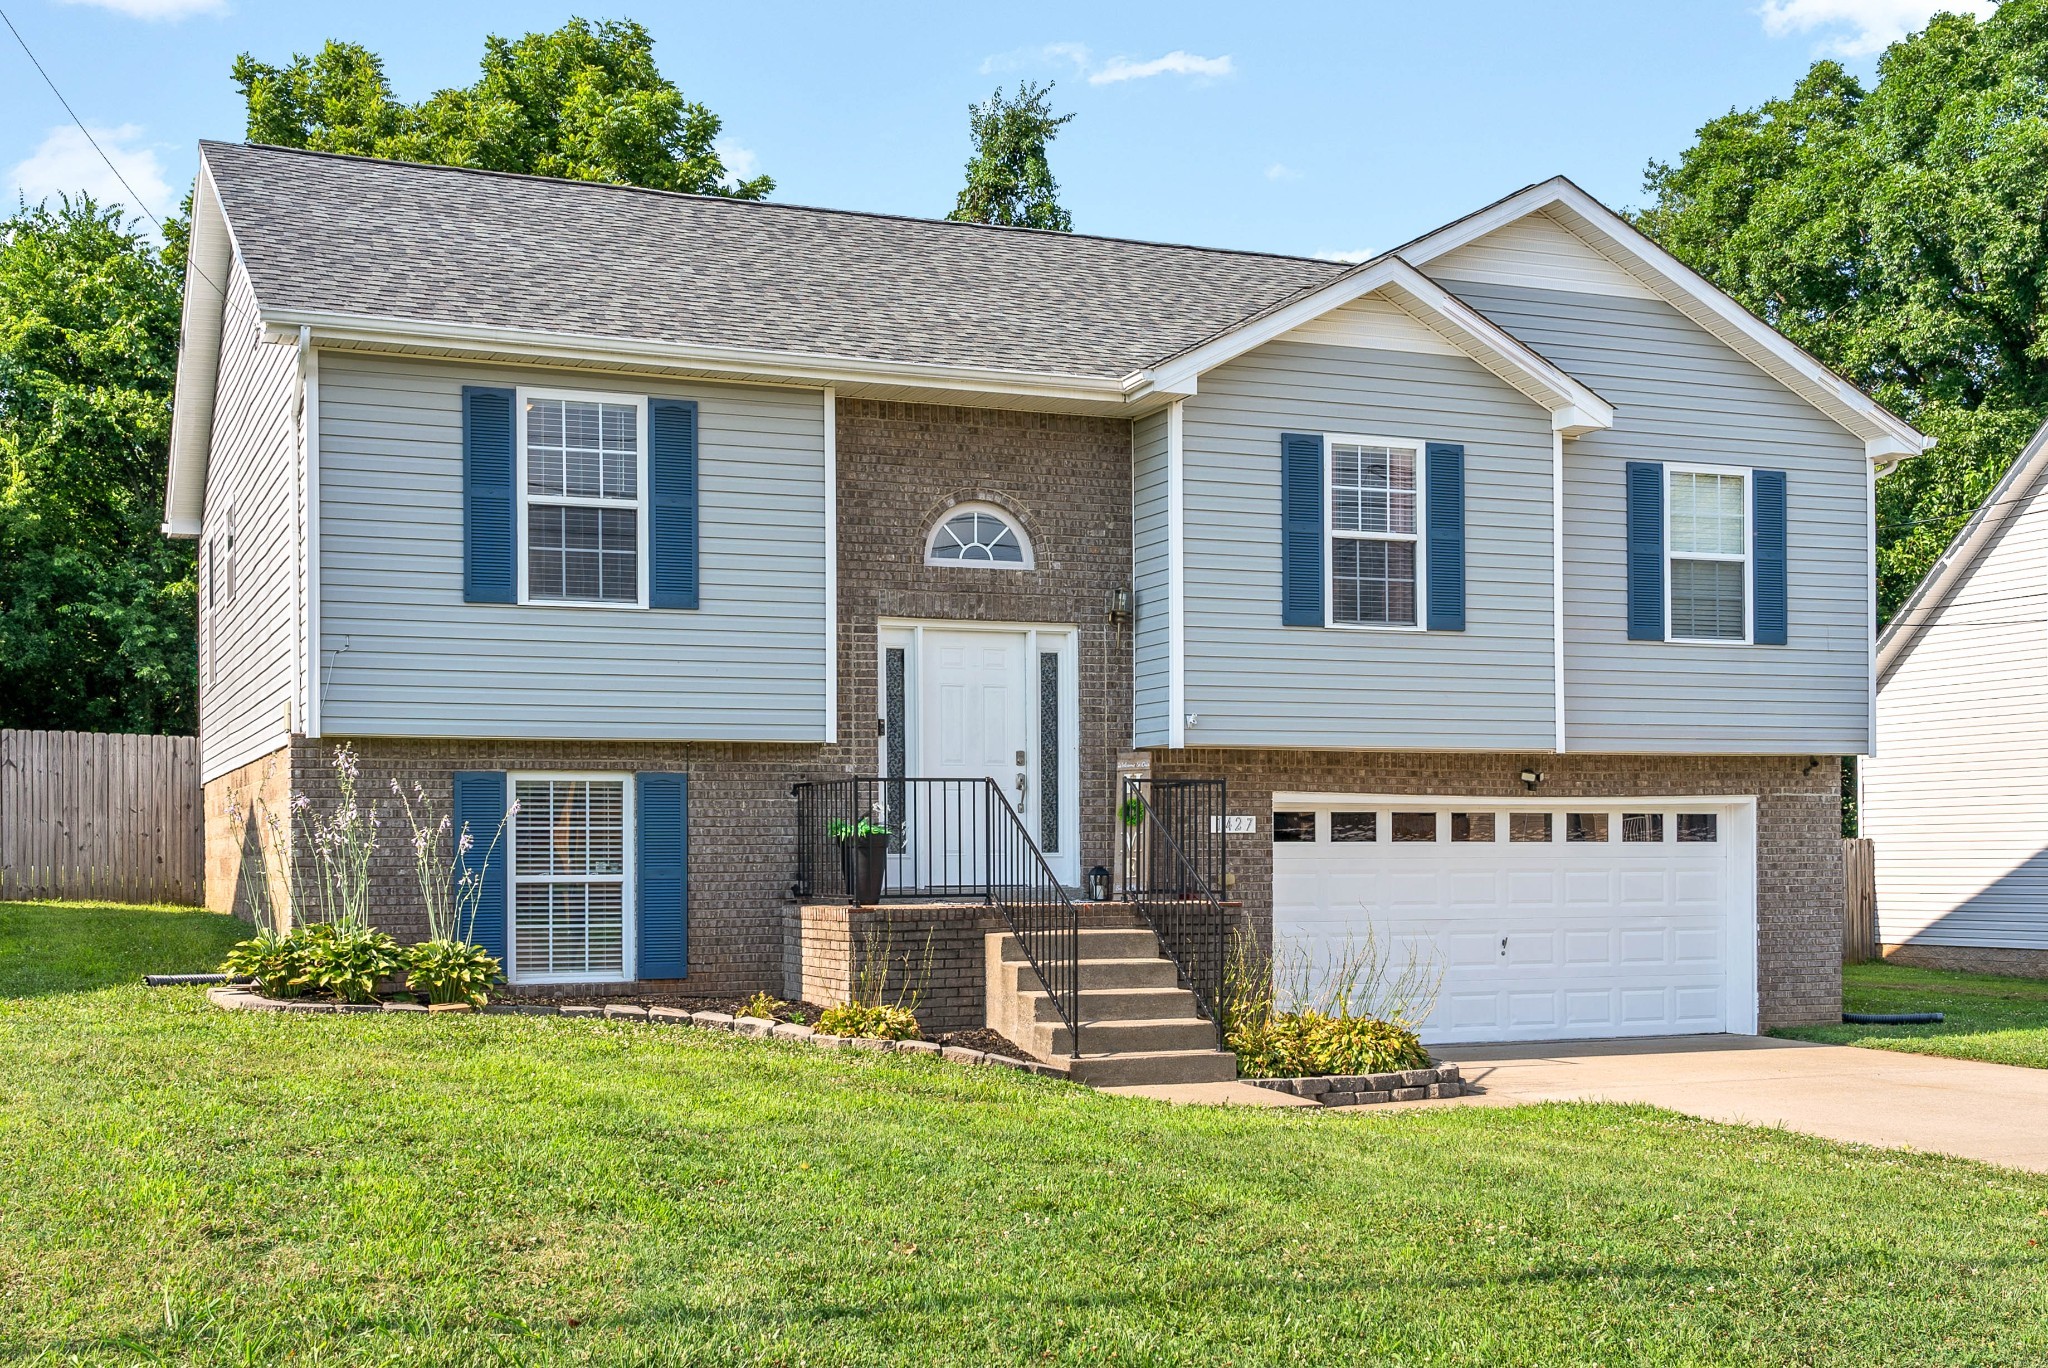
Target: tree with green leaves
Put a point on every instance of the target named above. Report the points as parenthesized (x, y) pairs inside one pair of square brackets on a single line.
[(585, 102), (96, 605), (1899, 233), (1009, 180)]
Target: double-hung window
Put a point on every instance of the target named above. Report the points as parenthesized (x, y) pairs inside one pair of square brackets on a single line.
[(1707, 544), (581, 481), (1375, 508), (570, 878)]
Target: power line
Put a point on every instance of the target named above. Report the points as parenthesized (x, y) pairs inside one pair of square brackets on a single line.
[(37, 64)]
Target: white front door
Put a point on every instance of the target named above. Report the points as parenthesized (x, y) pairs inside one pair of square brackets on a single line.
[(1577, 921), (972, 702)]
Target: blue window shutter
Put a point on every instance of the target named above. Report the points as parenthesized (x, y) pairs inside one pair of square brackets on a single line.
[(1301, 530), (1768, 569), (661, 803), (480, 806), (672, 514), (490, 557), (1444, 474), (1645, 551)]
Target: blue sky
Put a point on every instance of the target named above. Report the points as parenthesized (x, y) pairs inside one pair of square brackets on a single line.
[(1328, 129)]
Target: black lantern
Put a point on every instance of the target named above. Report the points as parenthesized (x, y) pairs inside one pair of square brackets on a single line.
[(1098, 884)]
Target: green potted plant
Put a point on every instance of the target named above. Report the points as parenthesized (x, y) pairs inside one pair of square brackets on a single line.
[(863, 857)]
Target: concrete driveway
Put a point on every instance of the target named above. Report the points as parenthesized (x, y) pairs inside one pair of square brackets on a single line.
[(1993, 1112)]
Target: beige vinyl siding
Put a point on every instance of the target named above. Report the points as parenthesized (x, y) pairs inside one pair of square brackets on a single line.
[(1151, 648), (1956, 798), (404, 655), (1253, 682), (1682, 396), (245, 685)]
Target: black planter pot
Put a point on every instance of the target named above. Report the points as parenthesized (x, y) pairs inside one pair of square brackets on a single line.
[(864, 861)]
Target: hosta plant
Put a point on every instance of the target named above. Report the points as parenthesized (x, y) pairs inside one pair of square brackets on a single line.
[(348, 962), (272, 960), (876, 1021), (452, 971)]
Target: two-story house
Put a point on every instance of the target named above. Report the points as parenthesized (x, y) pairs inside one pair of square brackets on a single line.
[(1516, 583)]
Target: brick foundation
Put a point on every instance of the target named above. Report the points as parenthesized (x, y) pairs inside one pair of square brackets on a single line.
[(1799, 852), (1972, 959), (936, 945), (238, 805)]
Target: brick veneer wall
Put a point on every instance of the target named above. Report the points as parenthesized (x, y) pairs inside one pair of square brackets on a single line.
[(938, 948), (742, 824), (1973, 959), (1067, 479), (1799, 854), (237, 832)]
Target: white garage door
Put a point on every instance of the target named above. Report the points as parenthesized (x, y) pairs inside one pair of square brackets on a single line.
[(1553, 923)]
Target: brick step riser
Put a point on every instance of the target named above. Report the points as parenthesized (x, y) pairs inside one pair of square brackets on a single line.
[(1045, 1039), (1097, 974), (1145, 1004)]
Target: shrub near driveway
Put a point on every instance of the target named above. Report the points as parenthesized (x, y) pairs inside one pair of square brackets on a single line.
[(1990, 1017), (183, 1184)]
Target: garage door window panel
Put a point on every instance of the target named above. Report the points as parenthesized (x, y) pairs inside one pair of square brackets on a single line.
[(1585, 826), (1529, 827), (1642, 826), (1414, 826), (1699, 826), (1476, 827), (1354, 826), (1294, 827)]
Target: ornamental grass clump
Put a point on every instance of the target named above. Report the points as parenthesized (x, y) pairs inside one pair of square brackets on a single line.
[(1351, 1013)]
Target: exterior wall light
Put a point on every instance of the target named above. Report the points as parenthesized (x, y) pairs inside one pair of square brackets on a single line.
[(1531, 778)]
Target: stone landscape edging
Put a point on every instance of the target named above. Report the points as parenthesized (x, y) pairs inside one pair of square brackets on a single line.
[(242, 999), (1360, 1090)]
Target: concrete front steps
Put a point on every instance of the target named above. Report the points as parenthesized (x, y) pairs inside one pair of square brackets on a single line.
[(1138, 1025)]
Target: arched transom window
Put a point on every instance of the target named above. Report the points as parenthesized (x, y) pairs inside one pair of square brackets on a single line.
[(980, 535)]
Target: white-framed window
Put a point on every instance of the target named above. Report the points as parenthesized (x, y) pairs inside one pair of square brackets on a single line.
[(981, 535), (582, 498), (571, 862), (1706, 553), (1373, 503)]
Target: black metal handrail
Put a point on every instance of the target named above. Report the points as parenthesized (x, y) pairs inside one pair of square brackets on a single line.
[(1174, 873), (941, 839)]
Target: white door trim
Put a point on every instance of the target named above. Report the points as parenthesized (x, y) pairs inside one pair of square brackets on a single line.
[(1064, 638)]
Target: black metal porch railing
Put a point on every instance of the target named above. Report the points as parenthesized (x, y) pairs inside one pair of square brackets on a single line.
[(1174, 874), (952, 839)]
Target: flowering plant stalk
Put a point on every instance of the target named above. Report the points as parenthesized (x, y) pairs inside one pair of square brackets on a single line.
[(450, 898), (340, 844)]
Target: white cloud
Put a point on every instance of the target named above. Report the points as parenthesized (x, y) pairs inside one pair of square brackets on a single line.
[(1031, 58), (157, 9), (1860, 28), (740, 162), (1174, 63), (1348, 258), (1280, 171), (65, 164)]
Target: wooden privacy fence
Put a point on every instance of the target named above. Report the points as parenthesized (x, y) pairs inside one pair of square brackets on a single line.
[(96, 815), (1859, 900)]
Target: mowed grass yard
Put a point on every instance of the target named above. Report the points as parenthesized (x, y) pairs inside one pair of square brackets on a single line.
[(1990, 1017), (181, 1184)]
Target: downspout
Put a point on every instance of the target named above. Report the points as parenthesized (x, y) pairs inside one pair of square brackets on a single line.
[(1557, 583), (309, 547)]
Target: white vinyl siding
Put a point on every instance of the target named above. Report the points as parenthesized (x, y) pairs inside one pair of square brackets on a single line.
[(249, 595), (1956, 798), (403, 655), (571, 878)]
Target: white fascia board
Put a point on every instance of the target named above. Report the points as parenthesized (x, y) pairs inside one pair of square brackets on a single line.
[(1574, 408), (1887, 437), (738, 363), (208, 260), (2006, 501)]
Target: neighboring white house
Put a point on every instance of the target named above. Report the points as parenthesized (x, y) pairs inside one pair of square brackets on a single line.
[(1957, 796)]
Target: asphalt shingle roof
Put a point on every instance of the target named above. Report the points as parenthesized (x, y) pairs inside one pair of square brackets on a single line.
[(395, 240)]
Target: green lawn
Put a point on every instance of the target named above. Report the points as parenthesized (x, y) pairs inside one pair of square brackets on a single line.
[(179, 1184), (1990, 1017)]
